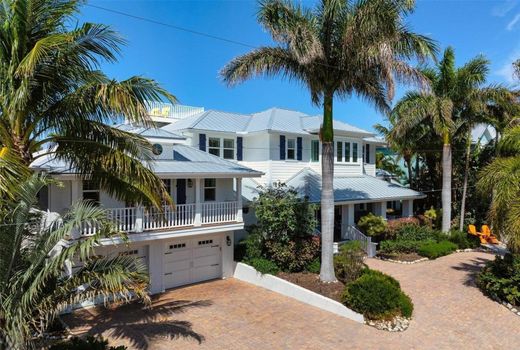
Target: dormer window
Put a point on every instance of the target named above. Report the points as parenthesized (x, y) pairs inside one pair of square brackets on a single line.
[(214, 146), (291, 149)]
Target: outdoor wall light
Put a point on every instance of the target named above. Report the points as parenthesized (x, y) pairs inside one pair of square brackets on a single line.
[(228, 241)]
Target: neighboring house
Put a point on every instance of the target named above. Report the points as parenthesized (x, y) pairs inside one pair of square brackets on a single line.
[(482, 134), (212, 164)]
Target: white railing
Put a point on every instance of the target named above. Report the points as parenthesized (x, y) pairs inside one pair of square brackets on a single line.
[(168, 110), (353, 234), (139, 219), (178, 216), (219, 212)]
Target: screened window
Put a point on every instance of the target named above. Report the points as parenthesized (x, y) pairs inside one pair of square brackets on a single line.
[(210, 189), (347, 151), (291, 149), (315, 151), (229, 149), (339, 151), (354, 152), (91, 191), (214, 146)]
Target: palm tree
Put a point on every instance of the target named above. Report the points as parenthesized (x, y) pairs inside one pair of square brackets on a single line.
[(337, 49), (54, 100), (501, 178), (455, 102), (516, 68), (34, 253)]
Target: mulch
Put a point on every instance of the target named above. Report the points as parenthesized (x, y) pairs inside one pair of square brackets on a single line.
[(311, 281), (402, 257)]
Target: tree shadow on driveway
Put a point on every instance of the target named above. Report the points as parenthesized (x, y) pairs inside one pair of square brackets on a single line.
[(137, 323), (472, 269)]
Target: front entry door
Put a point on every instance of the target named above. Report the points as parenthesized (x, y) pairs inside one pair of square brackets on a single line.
[(181, 191)]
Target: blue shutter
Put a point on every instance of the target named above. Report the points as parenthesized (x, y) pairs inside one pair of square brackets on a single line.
[(202, 142), (299, 146), (282, 147), (239, 148)]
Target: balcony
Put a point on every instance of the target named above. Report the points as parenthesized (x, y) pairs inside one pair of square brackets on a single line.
[(141, 219)]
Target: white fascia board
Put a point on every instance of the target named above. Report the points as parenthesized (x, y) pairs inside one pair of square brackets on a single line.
[(387, 199), (179, 233), (206, 175)]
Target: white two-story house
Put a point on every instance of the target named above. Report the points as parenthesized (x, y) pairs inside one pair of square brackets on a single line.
[(284, 145), (187, 243), (212, 164)]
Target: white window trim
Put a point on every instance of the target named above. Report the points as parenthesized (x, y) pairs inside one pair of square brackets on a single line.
[(221, 146), (344, 143), (293, 148), (312, 150), (96, 190)]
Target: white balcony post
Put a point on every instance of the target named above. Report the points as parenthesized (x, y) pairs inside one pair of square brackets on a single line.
[(198, 205), (381, 209), (139, 216), (240, 216)]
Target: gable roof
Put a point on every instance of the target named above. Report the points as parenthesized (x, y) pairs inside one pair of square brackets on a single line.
[(273, 119), (361, 188)]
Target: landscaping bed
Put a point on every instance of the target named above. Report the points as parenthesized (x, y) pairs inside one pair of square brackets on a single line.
[(404, 257), (311, 281)]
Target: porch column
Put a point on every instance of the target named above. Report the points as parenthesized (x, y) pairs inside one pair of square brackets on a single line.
[(407, 208), (380, 209), (350, 216), (240, 216), (198, 205)]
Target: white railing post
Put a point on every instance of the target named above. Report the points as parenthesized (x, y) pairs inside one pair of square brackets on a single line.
[(240, 216), (139, 216), (198, 206)]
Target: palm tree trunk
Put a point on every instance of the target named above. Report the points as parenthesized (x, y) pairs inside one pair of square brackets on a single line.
[(465, 185), (327, 192), (409, 167), (446, 184)]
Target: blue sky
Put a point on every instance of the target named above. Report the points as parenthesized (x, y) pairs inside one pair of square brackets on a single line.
[(188, 64)]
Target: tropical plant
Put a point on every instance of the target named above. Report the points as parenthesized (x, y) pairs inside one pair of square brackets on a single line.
[(390, 164), (54, 100), (372, 225), (516, 68), (500, 279), (453, 104), (36, 256), (501, 180), (337, 49)]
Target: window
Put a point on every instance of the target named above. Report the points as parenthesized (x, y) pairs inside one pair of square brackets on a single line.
[(291, 149), (347, 151), (222, 147), (91, 191), (367, 153), (354, 152), (214, 146), (315, 151), (229, 149), (210, 189), (339, 151), (157, 149)]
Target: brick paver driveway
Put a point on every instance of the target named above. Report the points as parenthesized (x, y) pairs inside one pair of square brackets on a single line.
[(450, 313)]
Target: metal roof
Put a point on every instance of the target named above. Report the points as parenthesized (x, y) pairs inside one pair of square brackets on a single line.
[(273, 119), (157, 133), (351, 189), (186, 161)]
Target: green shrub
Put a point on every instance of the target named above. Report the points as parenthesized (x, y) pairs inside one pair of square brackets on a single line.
[(433, 250), (293, 256), (463, 240), (393, 226), (348, 264), (400, 247), (372, 225), (263, 266), (414, 232), (89, 343), (500, 279), (314, 266), (433, 216), (380, 274), (376, 297)]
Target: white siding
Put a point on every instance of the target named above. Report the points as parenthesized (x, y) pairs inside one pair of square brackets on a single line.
[(256, 148), (60, 198)]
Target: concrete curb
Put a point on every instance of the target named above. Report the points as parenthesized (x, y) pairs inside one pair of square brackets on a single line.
[(248, 274)]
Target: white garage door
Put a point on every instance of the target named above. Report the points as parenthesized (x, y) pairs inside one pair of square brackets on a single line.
[(191, 260)]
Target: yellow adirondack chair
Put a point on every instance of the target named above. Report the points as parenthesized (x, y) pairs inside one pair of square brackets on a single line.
[(486, 233)]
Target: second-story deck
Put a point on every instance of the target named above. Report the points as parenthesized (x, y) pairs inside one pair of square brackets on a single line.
[(144, 219)]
